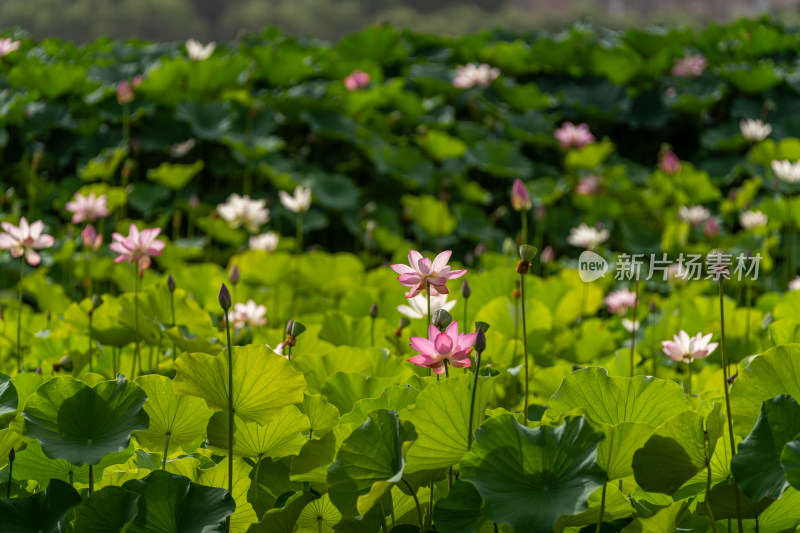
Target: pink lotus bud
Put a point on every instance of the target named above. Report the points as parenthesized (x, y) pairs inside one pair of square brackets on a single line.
[(520, 197), (540, 212), (90, 238), (234, 275), (137, 80), (711, 228), (124, 92), (547, 255), (194, 201), (669, 162), (358, 79)]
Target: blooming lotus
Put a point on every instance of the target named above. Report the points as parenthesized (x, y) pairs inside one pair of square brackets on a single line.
[(630, 325), (266, 242), (418, 305), (754, 130), (570, 135), (687, 349), (197, 51), (444, 346), (299, 201), (585, 236), (787, 171), (89, 207), (25, 240), (794, 284), (247, 314), (357, 79), (691, 66), (182, 148), (589, 185), (753, 219), (90, 238), (242, 211), (711, 227), (421, 273), (520, 197), (138, 247), (474, 75), (620, 301), (696, 214), (8, 45), (124, 92)]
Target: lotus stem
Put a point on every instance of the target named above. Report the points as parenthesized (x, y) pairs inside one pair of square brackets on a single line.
[(633, 329), (383, 517), (10, 472), (688, 386), (428, 292), (602, 507), (525, 349), (172, 308), (230, 415), (391, 507), (166, 452), (19, 319), (472, 402), (136, 353), (256, 495), (419, 508), (524, 226), (91, 350), (430, 509), (91, 481), (728, 399), (708, 483)]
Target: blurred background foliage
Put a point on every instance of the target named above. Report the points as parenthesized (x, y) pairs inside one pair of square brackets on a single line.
[(167, 20)]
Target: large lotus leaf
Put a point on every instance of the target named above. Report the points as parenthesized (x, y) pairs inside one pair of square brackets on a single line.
[(264, 382), (757, 465), (678, 449), (173, 504), (430, 214), (108, 510), (790, 461), (528, 477), (459, 511), (615, 506), (174, 176), (369, 462), (182, 419), (280, 436), (441, 418), (32, 464), (8, 439), (322, 416), (782, 516), (44, 512), (766, 376), (283, 519), (311, 464), (343, 390), (81, 424), (665, 519), (317, 370), (319, 515), (396, 398), (244, 515), (106, 325), (722, 499), (8, 399), (615, 453), (270, 481)]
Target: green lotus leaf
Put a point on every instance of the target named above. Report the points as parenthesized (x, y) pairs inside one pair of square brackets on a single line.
[(343, 390), (81, 424), (284, 519), (528, 477), (280, 436), (108, 510), (182, 419), (616, 506), (270, 483), (322, 415), (757, 464), (32, 464), (174, 176), (722, 499), (678, 449), (319, 515), (627, 410), (173, 504), (44, 512), (665, 519), (441, 418), (311, 464), (766, 376), (264, 382), (8, 399), (8, 439), (790, 461), (396, 398), (369, 462), (460, 510), (244, 515)]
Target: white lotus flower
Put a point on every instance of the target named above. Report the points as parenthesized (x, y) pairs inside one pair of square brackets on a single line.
[(266, 242), (585, 236), (242, 211), (247, 314), (299, 202), (696, 214), (753, 219), (755, 130), (198, 52), (418, 305), (786, 170), (629, 325), (794, 284), (474, 75)]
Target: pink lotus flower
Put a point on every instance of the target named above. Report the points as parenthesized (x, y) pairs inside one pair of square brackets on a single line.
[(520, 197), (247, 314), (474, 75), (25, 239), (8, 45), (620, 301), (90, 238), (668, 162), (423, 274), (138, 247), (124, 92), (547, 255), (690, 66), (571, 136), (711, 227), (443, 346), (589, 185), (687, 349), (88, 208), (358, 79)]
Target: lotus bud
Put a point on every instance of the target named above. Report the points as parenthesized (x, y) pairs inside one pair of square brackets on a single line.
[(97, 301), (480, 341), (234, 275), (171, 283), (373, 311), (294, 329), (548, 255), (224, 298), (466, 292), (404, 322), (66, 363), (441, 319)]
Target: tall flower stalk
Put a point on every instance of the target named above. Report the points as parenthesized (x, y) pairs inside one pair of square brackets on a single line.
[(171, 286), (225, 303), (480, 346), (526, 253), (633, 329)]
